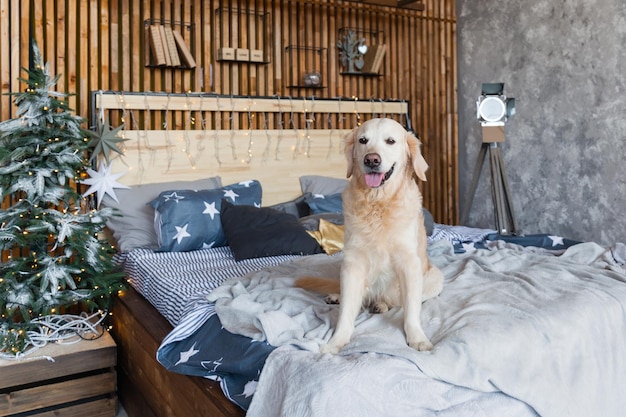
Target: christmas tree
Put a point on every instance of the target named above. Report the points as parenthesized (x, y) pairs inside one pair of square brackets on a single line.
[(53, 260)]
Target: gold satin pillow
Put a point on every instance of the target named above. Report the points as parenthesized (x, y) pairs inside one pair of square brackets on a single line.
[(329, 236)]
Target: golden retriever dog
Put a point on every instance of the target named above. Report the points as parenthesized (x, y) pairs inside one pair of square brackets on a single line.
[(385, 262)]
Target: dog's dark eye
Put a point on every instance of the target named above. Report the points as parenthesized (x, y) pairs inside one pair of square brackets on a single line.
[(390, 141), (362, 140)]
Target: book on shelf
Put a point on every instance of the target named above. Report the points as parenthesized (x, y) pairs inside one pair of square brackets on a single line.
[(378, 59), (171, 47), (167, 47), (373, 59), (185, 55), (156, 46), (166, 53)]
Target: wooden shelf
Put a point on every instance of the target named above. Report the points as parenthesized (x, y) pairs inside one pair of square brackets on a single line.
[(302, 60), (362, 74), (254, 48)]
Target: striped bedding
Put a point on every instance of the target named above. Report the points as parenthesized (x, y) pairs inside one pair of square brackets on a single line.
[(169, 280)]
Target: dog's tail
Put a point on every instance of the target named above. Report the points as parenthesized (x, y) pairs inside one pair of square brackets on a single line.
[(324, 286)]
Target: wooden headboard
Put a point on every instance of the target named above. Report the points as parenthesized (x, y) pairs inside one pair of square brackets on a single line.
[(272, 139)]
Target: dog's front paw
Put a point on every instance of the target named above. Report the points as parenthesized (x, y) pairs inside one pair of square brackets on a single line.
[(379, 308), (332, 299), (328, 348), (421, 346)]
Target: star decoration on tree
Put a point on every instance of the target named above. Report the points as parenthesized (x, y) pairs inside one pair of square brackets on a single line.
[(103, 182), (104, 140)]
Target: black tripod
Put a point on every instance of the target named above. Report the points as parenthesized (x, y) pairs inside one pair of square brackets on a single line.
[(503, 208)]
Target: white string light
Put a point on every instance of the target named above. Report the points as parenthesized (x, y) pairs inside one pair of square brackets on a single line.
[(200, 144), (249, 132), (189, 121), (60, 329), (302, 120), (268, 138), (281, 129), (356, 111), (309, 120), (292, 124), (168, 141), (330, 135)]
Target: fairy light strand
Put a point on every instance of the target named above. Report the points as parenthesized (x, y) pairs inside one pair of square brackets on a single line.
[(281, 130), (60, 329), (232, 128), (268, 139), (223, 122)]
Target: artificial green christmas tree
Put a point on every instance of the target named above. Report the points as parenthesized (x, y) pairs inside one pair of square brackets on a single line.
[(53, 259)]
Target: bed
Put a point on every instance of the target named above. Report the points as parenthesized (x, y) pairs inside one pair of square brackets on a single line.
[(525, 326)]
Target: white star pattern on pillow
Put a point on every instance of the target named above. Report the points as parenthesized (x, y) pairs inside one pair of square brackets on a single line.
[(556, 240), (181, 233), (188, 220), (210, 209), (173, 196), (231, 194)]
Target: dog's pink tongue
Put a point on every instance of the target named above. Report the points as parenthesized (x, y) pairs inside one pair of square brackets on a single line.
[(374, 179)]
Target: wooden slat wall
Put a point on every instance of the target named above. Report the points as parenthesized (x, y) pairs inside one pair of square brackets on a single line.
[(99, 44)]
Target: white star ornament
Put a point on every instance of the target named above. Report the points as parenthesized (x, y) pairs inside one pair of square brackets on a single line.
[(103, 182)]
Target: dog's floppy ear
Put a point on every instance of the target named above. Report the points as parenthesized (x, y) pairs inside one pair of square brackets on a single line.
[(417, 160), (348, 149)]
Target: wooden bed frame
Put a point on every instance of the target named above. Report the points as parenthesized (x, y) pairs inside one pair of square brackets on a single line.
[(176, 137)]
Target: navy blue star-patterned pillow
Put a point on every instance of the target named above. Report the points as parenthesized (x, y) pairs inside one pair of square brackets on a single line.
[(320, 203), (187, 220)]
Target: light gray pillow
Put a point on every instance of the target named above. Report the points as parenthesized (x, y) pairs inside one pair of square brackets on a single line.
[(318, 184), (133, 226)]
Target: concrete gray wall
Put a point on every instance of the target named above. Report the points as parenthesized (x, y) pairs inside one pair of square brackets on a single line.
[(565, 149)]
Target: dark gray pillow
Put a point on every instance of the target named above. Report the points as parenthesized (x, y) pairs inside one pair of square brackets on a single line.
[(312, 222), (255, 232), (296, 207), (321, 203)]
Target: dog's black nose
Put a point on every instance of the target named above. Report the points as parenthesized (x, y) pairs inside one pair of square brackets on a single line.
[(371, 160)]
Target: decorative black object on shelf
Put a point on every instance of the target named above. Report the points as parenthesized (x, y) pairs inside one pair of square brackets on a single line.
[(361, 51), (306, 66)]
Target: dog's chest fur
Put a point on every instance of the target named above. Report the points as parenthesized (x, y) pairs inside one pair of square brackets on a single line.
[(374, 234)]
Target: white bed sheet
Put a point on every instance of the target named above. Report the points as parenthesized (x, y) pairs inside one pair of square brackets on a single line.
[(512, 325)]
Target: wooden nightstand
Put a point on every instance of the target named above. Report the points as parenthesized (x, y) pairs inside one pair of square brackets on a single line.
[(80, 382)]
